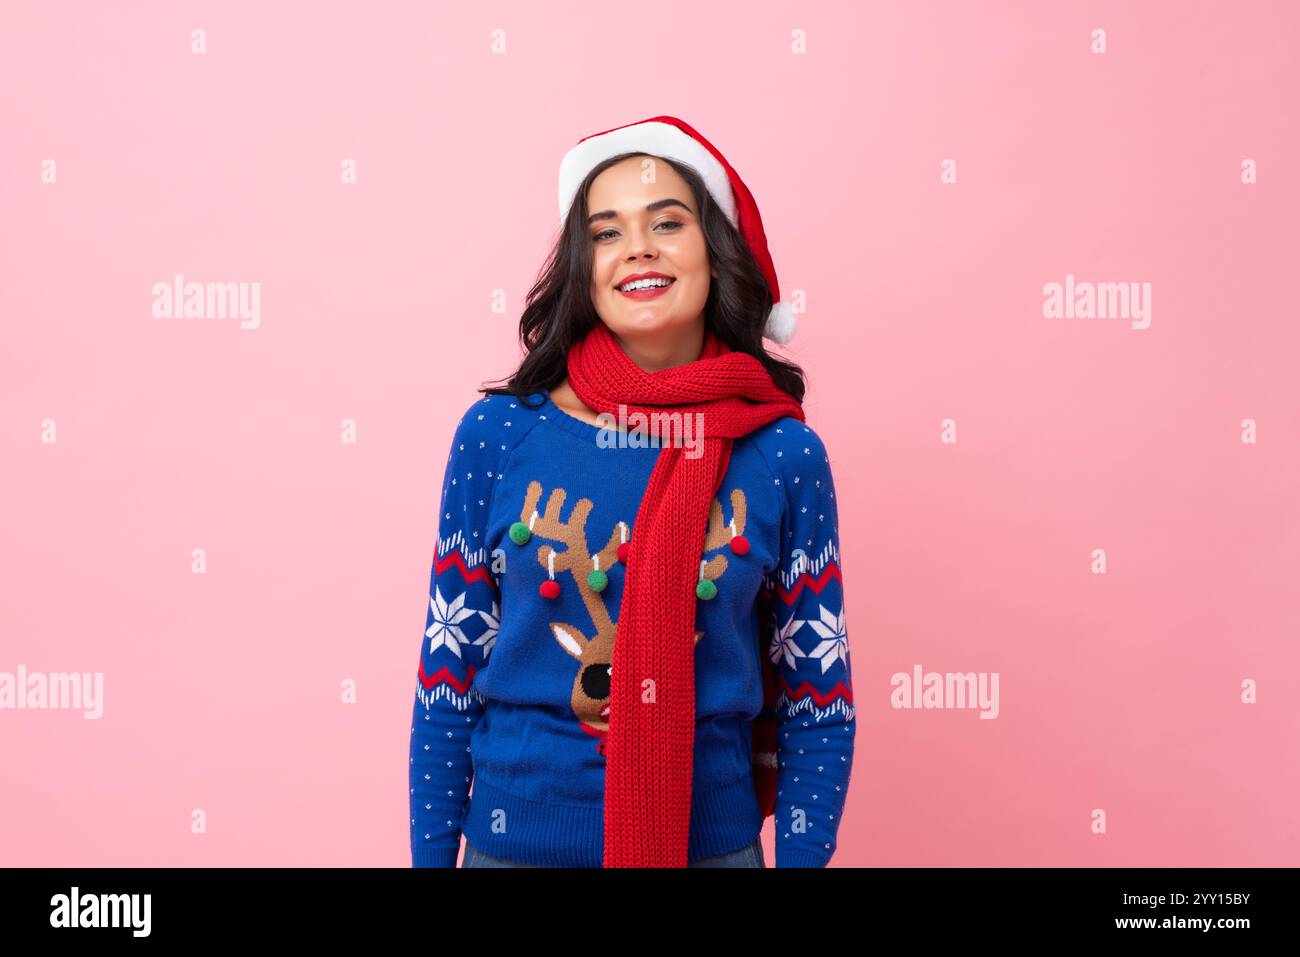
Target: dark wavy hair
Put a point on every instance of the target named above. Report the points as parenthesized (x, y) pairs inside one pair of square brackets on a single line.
[(558, 311)]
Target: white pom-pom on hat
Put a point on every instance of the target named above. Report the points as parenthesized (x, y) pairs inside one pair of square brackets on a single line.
[(781, 323)]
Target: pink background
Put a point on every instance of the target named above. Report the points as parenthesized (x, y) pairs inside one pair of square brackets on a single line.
[(222, 691)]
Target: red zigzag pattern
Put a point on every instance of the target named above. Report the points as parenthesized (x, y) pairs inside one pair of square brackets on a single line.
[(471, 575), (821, 699), (832, 570), (445, 674)]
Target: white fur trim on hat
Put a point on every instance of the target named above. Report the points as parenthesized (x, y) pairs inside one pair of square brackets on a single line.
[(780, 323), (659, 139)]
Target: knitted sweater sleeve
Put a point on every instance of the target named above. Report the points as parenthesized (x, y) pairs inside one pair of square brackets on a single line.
[(460, 626), (815, 712)]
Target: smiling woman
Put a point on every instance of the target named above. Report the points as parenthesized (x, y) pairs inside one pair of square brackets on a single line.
[(578, 579), (631, 211)]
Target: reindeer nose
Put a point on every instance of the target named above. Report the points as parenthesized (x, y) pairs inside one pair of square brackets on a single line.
[(595, 681)]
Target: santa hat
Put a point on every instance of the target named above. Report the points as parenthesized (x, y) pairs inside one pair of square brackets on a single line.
[(673, 139)]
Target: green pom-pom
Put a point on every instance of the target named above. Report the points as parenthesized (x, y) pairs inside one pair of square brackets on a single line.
[(598, 580), (706, 590), (520, 533)]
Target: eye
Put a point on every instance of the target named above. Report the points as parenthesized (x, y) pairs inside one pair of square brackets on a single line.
[(672, 223)]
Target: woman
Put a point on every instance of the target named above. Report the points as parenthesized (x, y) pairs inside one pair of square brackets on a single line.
[(646, 469)]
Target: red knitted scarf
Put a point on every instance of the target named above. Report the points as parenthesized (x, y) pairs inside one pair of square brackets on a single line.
[(650, 744)]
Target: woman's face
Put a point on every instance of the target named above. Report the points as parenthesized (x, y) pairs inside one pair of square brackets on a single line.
[(639, 227)]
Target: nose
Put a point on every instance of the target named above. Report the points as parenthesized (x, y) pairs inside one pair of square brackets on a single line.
[(640, 244)]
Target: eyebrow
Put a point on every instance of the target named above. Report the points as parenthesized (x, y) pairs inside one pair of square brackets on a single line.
[(653, 207)]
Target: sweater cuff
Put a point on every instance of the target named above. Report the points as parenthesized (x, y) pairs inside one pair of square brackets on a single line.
[(434, 856), (797, 857)]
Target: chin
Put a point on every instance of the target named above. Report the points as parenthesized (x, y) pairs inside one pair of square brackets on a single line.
[(649, 325)]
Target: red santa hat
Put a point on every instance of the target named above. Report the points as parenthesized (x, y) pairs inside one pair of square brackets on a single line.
[(673, 139)]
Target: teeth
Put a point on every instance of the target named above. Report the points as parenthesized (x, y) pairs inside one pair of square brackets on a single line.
[(643, 284)]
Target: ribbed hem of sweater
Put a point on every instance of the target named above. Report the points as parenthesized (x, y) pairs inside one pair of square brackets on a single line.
[(723, 819), (434, 856), (796, 857)]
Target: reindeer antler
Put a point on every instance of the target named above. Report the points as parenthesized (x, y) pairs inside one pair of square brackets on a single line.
[(720, 533), (576, 557)]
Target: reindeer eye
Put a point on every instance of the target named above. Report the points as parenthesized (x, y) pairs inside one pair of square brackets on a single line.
[(596, 681)]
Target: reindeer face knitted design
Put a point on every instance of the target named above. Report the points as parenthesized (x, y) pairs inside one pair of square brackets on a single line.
[(650, 743)]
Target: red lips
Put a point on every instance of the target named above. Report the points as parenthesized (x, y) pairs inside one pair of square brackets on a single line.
[(641, 275)]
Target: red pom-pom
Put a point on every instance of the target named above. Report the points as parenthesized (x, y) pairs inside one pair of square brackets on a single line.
[(550, 588), (740, 544), (624, 550)]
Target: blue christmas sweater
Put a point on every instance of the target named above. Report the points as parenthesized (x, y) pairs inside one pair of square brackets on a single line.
[(512, 694)]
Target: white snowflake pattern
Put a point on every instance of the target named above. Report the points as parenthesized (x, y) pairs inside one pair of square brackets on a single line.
[(444, 629), (489, 636), (783, 645), (834, 646)]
